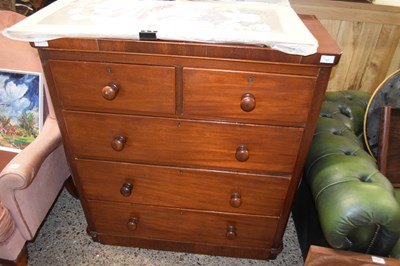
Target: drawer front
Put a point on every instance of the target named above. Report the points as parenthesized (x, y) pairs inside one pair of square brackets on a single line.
[(114, 87), (184, 188), (183, 142), (152, 222), (264, 98)]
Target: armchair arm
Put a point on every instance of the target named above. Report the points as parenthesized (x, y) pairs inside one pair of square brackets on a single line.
[(21, 170), (26, 189)]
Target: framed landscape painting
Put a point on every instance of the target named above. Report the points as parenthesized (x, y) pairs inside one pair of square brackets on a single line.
[(21, 108)]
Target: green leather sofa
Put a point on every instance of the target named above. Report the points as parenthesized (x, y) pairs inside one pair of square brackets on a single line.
[(344, 201)]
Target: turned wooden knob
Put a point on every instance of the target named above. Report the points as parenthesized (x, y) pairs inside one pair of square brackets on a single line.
[(118, 143), (242, 153), (126, 189), (248, 102), (132, 223), (236, 200), (231, 232), (110, 91)]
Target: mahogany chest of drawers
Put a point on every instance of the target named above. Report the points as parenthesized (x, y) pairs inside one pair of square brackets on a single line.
[(187, 146)]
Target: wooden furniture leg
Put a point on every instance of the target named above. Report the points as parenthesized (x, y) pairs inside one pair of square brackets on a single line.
[(71, 188), (389, 145)]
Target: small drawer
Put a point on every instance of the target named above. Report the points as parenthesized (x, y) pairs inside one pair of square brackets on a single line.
[(183, 142), (152, 222), (259, 97), (183, 188), (120, 88)]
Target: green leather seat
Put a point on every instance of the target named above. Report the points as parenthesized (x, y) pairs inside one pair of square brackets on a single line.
[(344, 201)]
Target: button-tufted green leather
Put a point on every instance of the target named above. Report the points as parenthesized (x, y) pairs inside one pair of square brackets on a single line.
[(356, 204)]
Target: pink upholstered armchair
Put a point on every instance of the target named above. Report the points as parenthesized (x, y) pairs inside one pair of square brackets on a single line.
[(30, 180)]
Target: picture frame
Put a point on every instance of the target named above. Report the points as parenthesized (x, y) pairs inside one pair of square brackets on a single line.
[(21, 108)]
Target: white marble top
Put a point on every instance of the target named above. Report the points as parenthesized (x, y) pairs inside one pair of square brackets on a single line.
[(271, 22)]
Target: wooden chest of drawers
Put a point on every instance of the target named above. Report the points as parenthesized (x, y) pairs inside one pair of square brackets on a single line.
[(187, 146)]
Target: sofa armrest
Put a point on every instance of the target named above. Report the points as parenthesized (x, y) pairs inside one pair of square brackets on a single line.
[(356, 206), (21, 170), (355, 203), (361, 215)]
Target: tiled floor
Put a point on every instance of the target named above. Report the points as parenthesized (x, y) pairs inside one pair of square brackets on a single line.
[(63, 241)]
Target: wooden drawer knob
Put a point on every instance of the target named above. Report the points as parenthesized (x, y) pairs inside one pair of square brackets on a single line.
[(126, 189), (118, 143), (242, 153), (236, 200), (110, 91), (248, 102), (231, 232), (132, 223)]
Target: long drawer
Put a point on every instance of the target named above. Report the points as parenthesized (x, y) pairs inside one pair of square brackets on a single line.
[(247, 96), (183, 142), (181, 187), (175, 224), (122, 88)]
